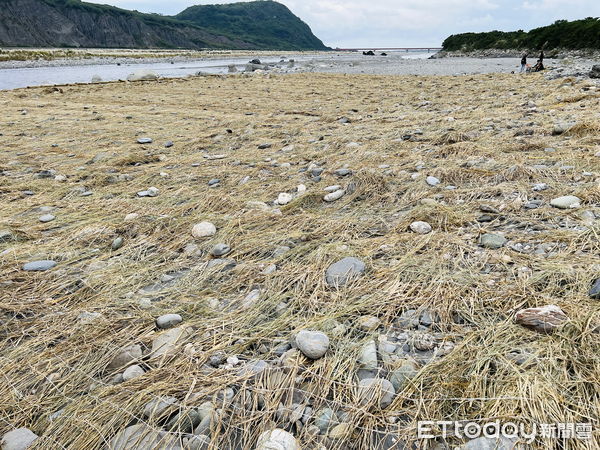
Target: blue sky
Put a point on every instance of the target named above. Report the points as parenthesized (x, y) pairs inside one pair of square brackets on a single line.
[(404, 23)]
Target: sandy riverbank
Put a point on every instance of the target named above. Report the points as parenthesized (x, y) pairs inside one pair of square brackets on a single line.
[(479, 158)]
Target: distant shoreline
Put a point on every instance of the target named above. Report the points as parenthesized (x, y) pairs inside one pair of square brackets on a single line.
[(53, 57), (518, 53)]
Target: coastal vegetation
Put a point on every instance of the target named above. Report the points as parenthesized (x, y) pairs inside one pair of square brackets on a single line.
[(562, 34)]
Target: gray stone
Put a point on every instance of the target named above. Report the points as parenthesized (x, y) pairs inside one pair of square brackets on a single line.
[(343, 271), (144, 140), (220, 250), (168, 144), (18, 439), (377, 391), (401, 376), (204, 229), (489, 443), (566, 202), (420, 227), (313, 344), (368, 356), (133, 372), (39, 266), (47, 218), (7, 236), (129, 354), (562, 127), (156, 407), (324, 419), (200, 442), (168, 321), (432, 181), (150, 192), (253, 368), (221, 263), (117, 243), (142, 437), (214, 182), (343, 172), (595, 290), (167, 342), (409, 319), (493, 241), (185, 421)]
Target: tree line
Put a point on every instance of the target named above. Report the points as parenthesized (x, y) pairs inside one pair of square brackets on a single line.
[(562, 34)]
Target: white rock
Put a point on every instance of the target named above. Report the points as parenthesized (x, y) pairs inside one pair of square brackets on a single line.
[(432, 181), (131, 217), (333, 188), (142, 75), (301, 189), (203, 229), (167, 342), (133, 372), (333, 196), (277, 439), (420, 227), (168, 321), (18, 439), (566, 202), (313, 344), (284, 198)]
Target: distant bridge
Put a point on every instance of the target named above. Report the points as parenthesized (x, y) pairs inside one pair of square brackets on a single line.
[(390, 49)]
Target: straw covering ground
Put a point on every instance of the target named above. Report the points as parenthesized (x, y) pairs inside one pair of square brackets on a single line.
[(489, 140)]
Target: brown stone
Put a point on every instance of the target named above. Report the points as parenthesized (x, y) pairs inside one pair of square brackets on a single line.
[(545, 319)]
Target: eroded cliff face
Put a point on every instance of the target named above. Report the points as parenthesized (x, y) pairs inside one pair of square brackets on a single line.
[(32, 23)]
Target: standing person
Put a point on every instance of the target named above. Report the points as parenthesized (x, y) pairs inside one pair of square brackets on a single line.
[(524, 63)]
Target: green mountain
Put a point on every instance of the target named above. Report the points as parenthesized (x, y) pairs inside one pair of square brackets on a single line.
[(268, 24), (72, 23), (562, 34)]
